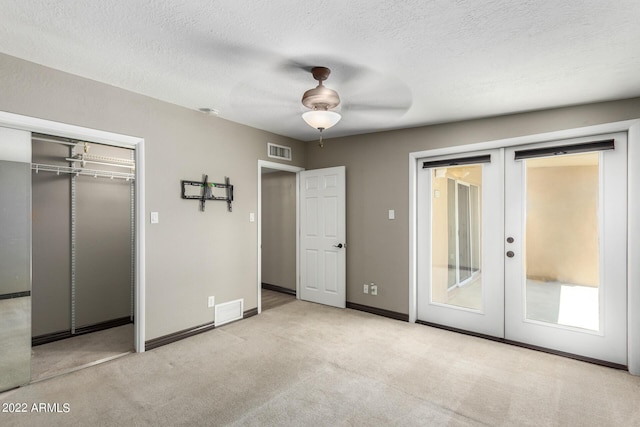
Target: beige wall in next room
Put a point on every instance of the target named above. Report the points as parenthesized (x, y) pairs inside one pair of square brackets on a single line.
[(279, 229)]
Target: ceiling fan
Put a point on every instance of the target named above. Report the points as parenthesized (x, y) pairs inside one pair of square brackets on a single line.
[(321, 100), (359, 98)]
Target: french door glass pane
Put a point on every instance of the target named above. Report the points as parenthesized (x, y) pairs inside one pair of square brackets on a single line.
[(562, 261), (456, 239)]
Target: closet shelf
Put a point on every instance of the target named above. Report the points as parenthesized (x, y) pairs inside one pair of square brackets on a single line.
[(81, 171), (85, 158)]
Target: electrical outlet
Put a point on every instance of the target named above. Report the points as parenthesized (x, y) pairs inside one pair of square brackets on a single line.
[(374, 289), (365, 288), (211, 302)]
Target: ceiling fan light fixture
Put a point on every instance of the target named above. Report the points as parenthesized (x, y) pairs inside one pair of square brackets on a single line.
[(321, 119), (320, 100)]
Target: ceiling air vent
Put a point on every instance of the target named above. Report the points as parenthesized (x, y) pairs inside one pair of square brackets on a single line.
[(278, 151)]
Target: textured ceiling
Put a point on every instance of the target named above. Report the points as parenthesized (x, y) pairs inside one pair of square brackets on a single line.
[(394, 64)]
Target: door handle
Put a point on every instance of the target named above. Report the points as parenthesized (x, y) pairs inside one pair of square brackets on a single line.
[(340, 245), (510, 254)]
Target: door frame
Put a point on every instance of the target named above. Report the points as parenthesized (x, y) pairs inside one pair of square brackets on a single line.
[(265, 164), (49, 127), (632, 127)]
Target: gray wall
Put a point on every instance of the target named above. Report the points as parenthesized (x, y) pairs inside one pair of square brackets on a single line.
[(15, 228), (378, 180), (103, 249), (51, 243), (279, 229), (190, 254)]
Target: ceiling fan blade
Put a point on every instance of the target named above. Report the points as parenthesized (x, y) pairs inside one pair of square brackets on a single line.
[(380, 93), (295, 65), (370, 107), (374, 113)]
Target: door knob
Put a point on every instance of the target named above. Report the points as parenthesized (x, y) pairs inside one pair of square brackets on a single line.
[(510, 254), (339, 246)]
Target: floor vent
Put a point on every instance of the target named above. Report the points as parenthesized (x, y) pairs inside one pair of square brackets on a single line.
[(278, 151), (229, 311)]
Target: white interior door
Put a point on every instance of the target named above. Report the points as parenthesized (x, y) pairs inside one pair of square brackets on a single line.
[(460, 278), (323, 236), (566, 246)]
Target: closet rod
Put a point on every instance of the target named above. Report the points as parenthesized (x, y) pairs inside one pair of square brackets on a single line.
[(129, 166), (57, 141), (77, 171)]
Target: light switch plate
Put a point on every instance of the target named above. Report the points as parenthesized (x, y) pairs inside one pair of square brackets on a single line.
[(392, 214), (155, 218), (252, 217)]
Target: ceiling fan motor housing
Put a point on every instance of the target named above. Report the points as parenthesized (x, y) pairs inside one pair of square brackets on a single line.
[(320, 97)]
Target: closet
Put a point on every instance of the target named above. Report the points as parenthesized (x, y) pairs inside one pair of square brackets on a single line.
[(83, 238)]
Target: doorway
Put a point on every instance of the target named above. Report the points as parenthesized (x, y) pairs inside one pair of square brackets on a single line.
[(17, 139), (277, 234), (551, 267), (320, 233), (463, 234), (83, 234)]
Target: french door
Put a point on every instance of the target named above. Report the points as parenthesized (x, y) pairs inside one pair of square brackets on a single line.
[(538, 256), (475, 303)]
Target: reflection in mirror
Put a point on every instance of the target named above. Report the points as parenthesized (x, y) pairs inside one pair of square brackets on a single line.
[(15, 342), (15, 274)]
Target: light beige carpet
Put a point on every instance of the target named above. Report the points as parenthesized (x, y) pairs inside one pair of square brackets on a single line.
[(57, 357), (302, 364)]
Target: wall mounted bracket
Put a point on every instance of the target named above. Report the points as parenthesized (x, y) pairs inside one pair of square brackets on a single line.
[(204, 191)]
